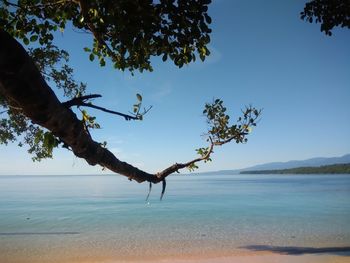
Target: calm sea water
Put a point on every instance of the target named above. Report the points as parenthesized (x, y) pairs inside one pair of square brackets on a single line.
[(46, 214)]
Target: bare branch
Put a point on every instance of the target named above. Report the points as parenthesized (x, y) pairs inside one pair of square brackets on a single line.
[(178, 166), (75, 101), (126, 116), (81, 101)]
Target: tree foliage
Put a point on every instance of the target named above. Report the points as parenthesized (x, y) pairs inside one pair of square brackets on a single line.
[(126, 32), (330, 13)]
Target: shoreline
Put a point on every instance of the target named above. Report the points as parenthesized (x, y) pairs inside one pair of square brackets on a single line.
[(247, 258)]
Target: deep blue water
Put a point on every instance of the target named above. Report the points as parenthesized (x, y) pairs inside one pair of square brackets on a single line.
[(230, 211)]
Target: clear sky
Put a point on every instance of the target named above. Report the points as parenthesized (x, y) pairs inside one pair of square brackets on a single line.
[(262, 54)]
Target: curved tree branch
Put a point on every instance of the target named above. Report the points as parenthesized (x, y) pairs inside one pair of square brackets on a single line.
[(178, 166), (27, 88), (24, 85)]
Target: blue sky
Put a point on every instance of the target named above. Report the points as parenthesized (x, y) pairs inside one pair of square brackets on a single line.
[(262, 54)]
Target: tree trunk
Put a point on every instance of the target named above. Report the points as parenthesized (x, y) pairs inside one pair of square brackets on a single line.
[(22, 83)]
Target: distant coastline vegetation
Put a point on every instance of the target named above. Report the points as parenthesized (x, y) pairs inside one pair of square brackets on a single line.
[(324, 169)]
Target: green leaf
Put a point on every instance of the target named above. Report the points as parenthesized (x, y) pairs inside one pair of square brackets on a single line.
[(92, 57), (139, 97), (102, 62), (85, 115), (26, 41), (37, 138), (95, 12), (207, 18), (34, 38)]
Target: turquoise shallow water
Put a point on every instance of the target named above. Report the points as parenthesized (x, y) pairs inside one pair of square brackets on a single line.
[(109, 215)]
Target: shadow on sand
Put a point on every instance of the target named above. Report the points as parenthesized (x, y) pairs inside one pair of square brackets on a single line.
[(344, 251)]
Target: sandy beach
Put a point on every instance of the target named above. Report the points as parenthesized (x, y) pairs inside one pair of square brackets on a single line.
[(244, 258), (240, 257), (329, 255)]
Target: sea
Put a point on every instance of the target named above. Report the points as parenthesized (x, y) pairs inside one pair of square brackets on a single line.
[(78, 217)]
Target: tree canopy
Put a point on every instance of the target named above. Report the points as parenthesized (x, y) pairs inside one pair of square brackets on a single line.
[(126, 32), (330, 13)]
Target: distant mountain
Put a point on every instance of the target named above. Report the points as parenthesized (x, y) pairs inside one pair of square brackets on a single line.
[(324, 169), (313, 162)]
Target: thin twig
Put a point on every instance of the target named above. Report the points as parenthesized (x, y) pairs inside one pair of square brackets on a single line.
[(77, 100), (81, 102), (126, 116)]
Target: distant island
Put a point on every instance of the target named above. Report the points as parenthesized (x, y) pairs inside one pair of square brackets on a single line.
[(289, 166), (324, 169)]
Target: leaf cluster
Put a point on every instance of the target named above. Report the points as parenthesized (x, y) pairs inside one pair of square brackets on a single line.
[(41, 143), (52, 62), (16, 127), (220, 131), (219, 128), (192, 167), (137, 113), (89, 121), (204, 152), (127, 32), (329, 13)]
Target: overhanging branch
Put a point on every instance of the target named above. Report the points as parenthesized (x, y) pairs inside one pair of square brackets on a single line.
[(29, 90)]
